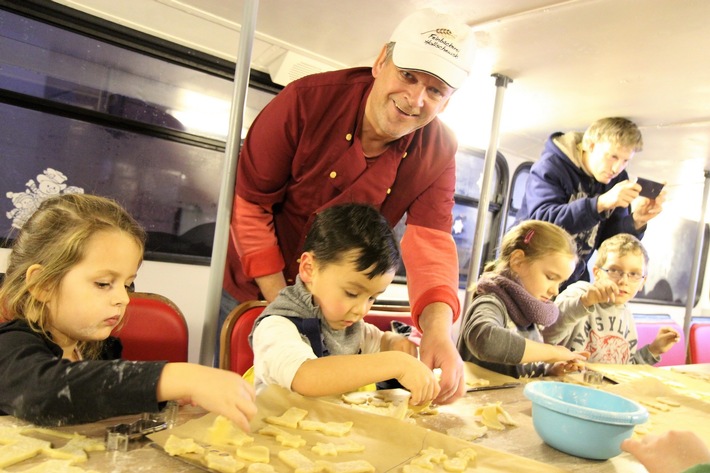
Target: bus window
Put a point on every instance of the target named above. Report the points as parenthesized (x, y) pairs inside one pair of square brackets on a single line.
[(670, 259), (520, 178), (469, 176), (81, 114)]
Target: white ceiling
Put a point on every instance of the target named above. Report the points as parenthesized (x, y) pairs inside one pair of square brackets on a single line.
[(571, 62)]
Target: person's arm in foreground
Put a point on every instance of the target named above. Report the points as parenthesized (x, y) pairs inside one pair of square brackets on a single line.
[(672, 452), (432, 281), (337, 374), (220, 391)]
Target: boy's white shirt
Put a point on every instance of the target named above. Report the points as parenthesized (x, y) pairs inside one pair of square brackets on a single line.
[(612, 324), (279, 350)]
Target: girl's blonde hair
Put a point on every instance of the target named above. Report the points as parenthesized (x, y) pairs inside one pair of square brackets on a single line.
[(55, 237), (536, 239)]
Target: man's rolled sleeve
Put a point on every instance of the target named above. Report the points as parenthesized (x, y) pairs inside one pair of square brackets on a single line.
[(432, 269)]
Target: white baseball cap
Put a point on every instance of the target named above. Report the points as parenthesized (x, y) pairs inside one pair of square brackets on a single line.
[(434, 43)]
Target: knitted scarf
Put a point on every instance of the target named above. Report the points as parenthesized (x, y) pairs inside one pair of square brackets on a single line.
[(522, 307)]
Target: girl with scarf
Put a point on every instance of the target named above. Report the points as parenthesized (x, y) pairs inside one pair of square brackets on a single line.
[(513, 299), (312, 340)]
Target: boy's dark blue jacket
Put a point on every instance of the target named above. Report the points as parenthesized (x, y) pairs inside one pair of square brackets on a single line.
[(559, 191)]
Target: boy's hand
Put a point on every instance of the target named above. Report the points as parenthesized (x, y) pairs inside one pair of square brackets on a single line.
[(419, 380), (603, 290), (563, 367), (666, 338)]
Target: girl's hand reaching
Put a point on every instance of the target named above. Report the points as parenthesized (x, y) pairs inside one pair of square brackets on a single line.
[(219, 391)]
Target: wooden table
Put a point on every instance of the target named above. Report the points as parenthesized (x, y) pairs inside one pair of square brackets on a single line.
[(521, 440), (141, 457)]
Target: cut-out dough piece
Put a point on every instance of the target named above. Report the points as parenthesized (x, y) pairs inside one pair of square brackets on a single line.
[(286, 439), (457, 464), (57, 466), (489, 417), (355, 466), (75, 449), (51, 432), (477, 382), (224, 432), (357, 397), (415, 469), (255, 454), (222, 462), (179, 446), (335, 449), (298, 461), (428, 457), (70, 451), (290, 418), (468, 432), (494, 416), (325, 449), (335, 429), (668, 401), (657, 406), (272, 431), (425, 409), (260, 468), (20, 449), (468, 453)]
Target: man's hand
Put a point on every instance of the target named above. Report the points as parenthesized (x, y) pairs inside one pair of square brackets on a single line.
[(437, 350)]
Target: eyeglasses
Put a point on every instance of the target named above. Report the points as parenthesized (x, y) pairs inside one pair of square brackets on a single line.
[(616, 275)]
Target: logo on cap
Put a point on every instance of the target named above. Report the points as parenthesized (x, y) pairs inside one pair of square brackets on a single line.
[(438, 39)]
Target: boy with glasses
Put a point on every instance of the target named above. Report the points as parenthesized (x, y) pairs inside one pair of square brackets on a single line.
[(594, 317)]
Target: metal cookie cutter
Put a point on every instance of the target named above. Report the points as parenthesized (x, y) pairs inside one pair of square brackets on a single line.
[(118, 436), (593, 377)]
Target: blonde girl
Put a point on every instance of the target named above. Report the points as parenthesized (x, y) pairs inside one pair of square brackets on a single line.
[(65, 289), (513, 299)]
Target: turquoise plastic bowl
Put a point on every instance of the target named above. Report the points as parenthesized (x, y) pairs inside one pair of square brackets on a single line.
[(584, 422)]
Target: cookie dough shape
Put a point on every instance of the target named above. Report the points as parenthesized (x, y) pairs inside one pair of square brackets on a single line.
[(290, 418), (20, 448), (224, 432), (334, 449), (284, 438), (468, 432), (222, 462), (355, 466), (494, 416), (298, 461), (260, 468), (334, 429), (176, 446), (254, 454), (57, 466)]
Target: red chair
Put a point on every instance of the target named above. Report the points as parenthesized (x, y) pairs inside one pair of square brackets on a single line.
[(235, 354), (383, 315), (152, 329), (699, 342), (647, 332)]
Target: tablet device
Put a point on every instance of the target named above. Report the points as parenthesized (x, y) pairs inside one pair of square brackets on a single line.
[(649, 188)]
